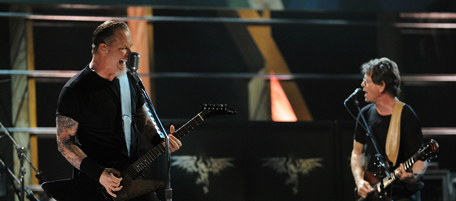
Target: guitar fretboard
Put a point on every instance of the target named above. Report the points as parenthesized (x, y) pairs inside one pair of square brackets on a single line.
[(407, 165), (153, 154)]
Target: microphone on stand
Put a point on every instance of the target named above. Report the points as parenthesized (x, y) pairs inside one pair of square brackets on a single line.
[(133, 65), (133, 61), (355, 95)]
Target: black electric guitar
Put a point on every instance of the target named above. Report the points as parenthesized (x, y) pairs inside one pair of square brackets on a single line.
[(134, 185), (429, 151)]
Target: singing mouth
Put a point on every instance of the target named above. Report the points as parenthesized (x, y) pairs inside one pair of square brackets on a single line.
[(123, 63)]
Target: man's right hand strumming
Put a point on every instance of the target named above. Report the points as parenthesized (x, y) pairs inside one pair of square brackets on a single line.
[(364, 188), (110, 179)]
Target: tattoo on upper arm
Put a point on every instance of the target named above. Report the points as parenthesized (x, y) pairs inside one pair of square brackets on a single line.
[(66, 125), (66, 132)]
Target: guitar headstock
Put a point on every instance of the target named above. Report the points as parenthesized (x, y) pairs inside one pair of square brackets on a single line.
[(429, 151), (209, 110)]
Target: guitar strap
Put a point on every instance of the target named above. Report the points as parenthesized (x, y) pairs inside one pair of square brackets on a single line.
[(393, 139), (126, 109)]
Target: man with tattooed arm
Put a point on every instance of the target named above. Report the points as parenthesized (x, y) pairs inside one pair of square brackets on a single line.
[(89, 122)]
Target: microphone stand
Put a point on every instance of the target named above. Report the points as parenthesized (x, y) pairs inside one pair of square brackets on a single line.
[(22, 156), (30, 194), (160, 129), (380, 161)]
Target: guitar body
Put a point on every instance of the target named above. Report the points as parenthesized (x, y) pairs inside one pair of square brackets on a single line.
[(136, 187), (83, 188), (373, 179)]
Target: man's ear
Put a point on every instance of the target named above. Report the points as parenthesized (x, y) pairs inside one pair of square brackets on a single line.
[(103, 48), (382, 87)]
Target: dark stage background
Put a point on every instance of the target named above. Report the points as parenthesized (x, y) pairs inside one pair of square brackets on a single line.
[(245, 151), (329, 50)]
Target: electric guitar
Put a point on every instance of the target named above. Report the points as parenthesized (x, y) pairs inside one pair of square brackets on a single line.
[(427, 152), (134, 185)]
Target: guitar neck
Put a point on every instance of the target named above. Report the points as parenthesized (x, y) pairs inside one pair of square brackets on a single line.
[(407, 165), (153, 154)]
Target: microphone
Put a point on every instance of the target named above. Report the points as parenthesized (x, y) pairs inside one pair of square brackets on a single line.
[(133, 61), (354, 94), (133, 65)]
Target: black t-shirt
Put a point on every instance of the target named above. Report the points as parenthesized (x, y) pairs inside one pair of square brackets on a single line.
[(411, 140), (94, 103)]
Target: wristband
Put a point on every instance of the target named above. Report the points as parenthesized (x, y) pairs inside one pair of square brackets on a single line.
[(90, 168)]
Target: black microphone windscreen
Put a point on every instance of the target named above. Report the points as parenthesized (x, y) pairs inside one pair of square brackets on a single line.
[(133, 61), (354, 94)]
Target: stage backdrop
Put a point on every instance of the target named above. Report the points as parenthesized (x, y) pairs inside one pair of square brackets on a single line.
[(224, 159), (259, 161)]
